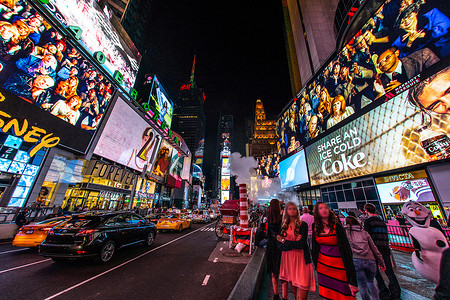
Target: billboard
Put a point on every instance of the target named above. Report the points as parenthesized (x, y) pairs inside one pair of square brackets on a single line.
[(176, 164), (400, 188), (128, 139), (46, 79), (268, 166), (409, 129), (163, 160), (399, 42), (293, 170), (97, 35)]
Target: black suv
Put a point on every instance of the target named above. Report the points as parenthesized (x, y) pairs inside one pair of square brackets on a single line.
[(97, 236)]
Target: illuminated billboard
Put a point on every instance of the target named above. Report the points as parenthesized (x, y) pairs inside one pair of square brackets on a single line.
[(163, 160), (176, 164), (158, 101), (47, 80), (95, 32), (293, 170), (393, 46), (268, 166), (409, 129), (128, 139)]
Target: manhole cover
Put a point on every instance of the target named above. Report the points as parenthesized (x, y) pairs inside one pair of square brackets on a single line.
[(232, 254)]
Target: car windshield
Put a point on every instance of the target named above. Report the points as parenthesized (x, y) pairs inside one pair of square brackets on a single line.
[(82, 222), (173, 216), (50, 221)]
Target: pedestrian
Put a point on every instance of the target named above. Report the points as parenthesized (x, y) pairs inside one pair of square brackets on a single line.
[(332, 256), (377, 229), (443, 289), (273, 252), (296, 267), (365, 257), (308, 218), (21, 218), (363, 214)]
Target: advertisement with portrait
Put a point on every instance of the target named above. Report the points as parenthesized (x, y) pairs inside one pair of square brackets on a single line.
[(400, 41), (176, 164), (128, 139), (268, 166), (157, 101), (52, 83), (97, 34), (411, 128), (163, 160), (226, 166), (293, 170)]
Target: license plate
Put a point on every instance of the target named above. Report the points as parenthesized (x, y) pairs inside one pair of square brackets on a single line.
[(29, 231)]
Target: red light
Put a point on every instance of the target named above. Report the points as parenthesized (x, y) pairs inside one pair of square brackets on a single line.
[(186, 86), (81, 252), (86, 231)]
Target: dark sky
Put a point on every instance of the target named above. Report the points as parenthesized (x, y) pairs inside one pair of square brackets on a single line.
[(241, 57)]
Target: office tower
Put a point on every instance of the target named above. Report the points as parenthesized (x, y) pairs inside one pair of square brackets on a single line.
[(264, 133)]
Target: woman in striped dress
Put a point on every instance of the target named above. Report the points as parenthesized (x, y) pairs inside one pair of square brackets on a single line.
[(332, 256)]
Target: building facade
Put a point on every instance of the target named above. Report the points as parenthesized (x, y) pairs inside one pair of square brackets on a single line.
[(264, 133), (223, 150)]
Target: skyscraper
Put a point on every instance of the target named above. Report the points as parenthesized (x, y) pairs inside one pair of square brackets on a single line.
[(264, 133), (223, 150), (189, 117)]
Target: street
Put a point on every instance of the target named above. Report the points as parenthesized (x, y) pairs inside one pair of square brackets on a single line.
[(175, 267)]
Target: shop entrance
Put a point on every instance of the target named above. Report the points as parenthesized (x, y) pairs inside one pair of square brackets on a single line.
[(83, 199)]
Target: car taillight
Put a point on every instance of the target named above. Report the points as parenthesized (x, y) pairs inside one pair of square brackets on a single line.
[(85, 231), (45, 229), (50, 232)]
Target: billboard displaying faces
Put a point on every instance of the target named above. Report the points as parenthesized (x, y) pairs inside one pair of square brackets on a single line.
[(158, 102), (404, 38), (128, 139), (97, 34), (409, 129), (293, 170), (40, 67), (163, 159), (268, 166), (176, 164)]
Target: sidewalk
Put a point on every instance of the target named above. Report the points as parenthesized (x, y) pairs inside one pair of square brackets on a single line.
[(414, 287)]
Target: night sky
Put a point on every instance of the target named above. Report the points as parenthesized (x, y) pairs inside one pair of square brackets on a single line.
[(241, 57)]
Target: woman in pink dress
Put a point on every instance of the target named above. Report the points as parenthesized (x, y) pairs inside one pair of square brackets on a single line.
[(296, 267)]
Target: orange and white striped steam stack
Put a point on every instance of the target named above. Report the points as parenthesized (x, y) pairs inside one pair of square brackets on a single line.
[(243, 217)]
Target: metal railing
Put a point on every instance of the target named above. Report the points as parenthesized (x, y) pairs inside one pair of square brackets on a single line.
[(399, 236)]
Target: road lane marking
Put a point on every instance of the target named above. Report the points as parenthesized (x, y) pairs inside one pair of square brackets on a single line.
[(215, 260), (16, 250), (123, 264), (24, 266), (205, 281)]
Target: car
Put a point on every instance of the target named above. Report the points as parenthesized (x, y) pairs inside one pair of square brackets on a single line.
[(213, 214), (176, 222), (32, 235), (154, 217), (201, 216), (97, 236)]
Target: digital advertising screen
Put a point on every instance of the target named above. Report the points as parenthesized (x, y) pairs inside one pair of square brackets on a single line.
[(197, 171), (404, 187), (176, 164), (268, 166), (187, 167), (97, 34), (158, 101), (293, 170), (225, 183), (45, 80), (128, 139), (411, 128), (402, 39), (163, 159)]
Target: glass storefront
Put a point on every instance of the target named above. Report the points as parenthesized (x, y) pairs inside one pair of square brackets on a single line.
[(144, 194), (309, 197)]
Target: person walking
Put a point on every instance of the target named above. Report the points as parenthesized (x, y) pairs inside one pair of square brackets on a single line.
[(308, 218), (365, 257), (296, 267), (273, 252), (377, 229), (332, 256), (21, 218)]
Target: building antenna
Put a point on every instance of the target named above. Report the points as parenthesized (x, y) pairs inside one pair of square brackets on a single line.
[(193, 70)]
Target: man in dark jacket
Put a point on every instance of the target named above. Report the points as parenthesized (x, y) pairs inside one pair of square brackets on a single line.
[(377, 229), (21, 218)]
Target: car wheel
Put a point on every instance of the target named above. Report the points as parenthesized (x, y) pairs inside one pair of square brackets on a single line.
[(107, 252), (180, 229), (150, 239)]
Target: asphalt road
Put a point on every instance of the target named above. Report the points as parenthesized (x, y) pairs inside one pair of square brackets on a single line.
[(175, 267)]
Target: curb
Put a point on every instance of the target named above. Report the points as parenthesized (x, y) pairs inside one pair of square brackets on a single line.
[(248, 283)]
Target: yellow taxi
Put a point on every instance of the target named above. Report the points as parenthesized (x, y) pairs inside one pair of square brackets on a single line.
[(174, 222), (33, 235)]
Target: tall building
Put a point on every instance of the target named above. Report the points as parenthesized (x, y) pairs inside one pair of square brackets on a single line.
[(223, 150), (189, 117), (310, 37), (264, 133)]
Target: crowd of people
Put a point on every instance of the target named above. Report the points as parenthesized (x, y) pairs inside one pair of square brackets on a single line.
[(348, 258), (401, 40), (268, 166), (40, 66)]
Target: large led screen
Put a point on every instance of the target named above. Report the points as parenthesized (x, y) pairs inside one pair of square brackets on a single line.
[(163, 160), (176, 164), (158, 101), (128, 139), (46, 79), (268, 166), (293, 170), (400, 188), (409, 129), (400, 41), (97, 34)]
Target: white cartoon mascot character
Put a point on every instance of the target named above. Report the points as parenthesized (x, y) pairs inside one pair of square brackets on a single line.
[(429, 242)]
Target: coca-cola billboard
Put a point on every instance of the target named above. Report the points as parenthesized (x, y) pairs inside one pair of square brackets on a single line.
[(410, 128)]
